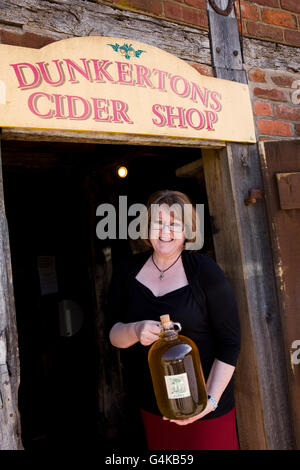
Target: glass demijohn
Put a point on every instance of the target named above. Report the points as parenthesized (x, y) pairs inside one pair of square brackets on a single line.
[(176, 372)]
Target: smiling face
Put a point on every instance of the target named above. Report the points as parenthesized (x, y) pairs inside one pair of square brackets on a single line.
[(166, 232)]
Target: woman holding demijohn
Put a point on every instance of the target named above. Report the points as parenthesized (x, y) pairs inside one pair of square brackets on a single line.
[(172, 278)]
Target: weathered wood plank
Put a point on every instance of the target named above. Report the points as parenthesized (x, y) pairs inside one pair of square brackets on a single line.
[(70, 18), (269, 55), (228, 247), (105, 138), (241, 235), (225, 44), (10, 430), (264, 317), (189, 170)]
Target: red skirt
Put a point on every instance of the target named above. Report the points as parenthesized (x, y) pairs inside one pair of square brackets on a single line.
[(211, 434)]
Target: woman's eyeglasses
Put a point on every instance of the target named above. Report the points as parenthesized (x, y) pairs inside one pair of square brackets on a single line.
[(173, 227)]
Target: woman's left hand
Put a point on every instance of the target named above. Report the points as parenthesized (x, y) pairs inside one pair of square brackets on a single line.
[(182, 422)]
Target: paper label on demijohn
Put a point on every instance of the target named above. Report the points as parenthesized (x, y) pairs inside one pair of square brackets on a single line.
[(177, 386)]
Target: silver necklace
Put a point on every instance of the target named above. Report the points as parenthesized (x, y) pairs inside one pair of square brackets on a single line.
[(162, 271)]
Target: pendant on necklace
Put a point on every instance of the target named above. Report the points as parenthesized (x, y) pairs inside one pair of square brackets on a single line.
[(162, 276)]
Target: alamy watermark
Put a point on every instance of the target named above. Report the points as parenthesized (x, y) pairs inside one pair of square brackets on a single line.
[(295, 97), (295, 356), (163, 219)]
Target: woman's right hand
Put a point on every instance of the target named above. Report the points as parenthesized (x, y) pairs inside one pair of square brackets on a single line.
[(147, 331)]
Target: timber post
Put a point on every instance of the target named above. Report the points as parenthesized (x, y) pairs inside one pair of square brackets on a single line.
[(10, 429), (263, 413)]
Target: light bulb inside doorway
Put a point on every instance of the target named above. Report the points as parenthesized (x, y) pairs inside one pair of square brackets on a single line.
[(122, 171)]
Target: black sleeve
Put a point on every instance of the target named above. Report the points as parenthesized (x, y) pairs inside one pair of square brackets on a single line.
[(223, 313), (117, 303)]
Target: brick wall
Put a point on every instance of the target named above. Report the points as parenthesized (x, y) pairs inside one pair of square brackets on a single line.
[(271, 20), (23, 38), (276, 103), (191, 12)]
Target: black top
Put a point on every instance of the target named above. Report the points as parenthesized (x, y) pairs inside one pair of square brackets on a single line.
[(206, 309)]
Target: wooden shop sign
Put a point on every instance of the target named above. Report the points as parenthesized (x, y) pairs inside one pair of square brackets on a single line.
[(105, 84)]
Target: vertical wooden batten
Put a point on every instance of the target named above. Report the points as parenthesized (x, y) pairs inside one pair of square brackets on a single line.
[(242, 245), (10, 429), (225, 44)]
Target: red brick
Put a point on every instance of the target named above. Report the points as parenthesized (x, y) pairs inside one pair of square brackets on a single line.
[(203, 69), (26, 39), (266, 139), (196, 3), (173, 10), (270, 94), (297, 129), (279, 18), (266, 3), (249, 12), (280, 128), (290, 113), (150, 6), (283, 80), (186, 14), (263, 31), (291, 5), (261, 108), (292, 37), (257, 75), (194, 17)]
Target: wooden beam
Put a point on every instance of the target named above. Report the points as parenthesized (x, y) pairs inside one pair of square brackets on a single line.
[(105, 138), (191, 169), (10, 429), (270, 55)]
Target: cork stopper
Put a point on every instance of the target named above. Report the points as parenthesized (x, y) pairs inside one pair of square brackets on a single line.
[(166, 323)]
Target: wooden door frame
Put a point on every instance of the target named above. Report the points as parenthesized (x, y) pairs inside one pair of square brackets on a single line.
[(242, 235), (263, 419), (10, 427)]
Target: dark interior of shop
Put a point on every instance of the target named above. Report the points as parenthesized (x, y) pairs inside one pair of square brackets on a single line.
[(51, 191)]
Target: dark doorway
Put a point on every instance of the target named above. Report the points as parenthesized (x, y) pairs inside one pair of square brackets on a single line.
[(51, 193)]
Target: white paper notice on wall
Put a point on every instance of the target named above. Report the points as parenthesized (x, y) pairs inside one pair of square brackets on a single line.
[(47, 274)]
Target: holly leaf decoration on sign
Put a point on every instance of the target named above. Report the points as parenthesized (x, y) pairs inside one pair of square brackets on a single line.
[(126, 50), (138, 52), (114, 46)]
